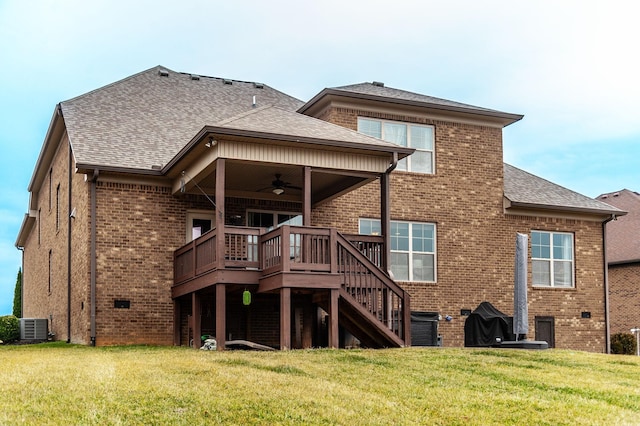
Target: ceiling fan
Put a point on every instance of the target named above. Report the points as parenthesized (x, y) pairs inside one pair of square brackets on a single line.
[(278, 186)]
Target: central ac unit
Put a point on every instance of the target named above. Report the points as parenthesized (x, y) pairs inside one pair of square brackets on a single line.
[(34, 328)]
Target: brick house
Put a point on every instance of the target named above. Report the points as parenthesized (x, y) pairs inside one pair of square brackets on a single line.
[(167, 206), (623, 259)]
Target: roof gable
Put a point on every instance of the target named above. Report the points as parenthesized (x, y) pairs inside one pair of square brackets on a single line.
[(377, 92)]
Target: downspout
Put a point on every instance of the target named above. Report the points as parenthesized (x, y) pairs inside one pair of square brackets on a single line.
[(385, 214), (69, 219), (606, 283), (92, 256), (22, 283)]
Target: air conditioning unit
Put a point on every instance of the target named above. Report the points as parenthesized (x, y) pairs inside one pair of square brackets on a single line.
[(34, 328)]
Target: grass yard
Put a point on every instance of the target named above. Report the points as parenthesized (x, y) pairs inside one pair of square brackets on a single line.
[(64, 384)]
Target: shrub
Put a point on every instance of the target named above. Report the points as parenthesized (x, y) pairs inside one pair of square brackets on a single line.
[(9, 328), (623, 344)]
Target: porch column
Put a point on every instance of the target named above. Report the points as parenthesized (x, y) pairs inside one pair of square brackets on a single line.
[(176, 323), (306, 196), (196, 318), (285, 318), (385, 222), (220, 240), (334, 337), (221, 316)]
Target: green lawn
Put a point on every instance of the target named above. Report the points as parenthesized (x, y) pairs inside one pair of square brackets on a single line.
[(67, 384)]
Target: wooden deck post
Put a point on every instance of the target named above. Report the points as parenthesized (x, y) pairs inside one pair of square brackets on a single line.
[(285, 318), (334, 338), (176, 323), (221, 316), (196, 318), (220, 239), (306, 196)]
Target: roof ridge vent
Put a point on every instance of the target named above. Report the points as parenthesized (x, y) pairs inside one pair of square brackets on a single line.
[(227, 81), (378, 84), (258, 85), (195, 77), (163, 73)]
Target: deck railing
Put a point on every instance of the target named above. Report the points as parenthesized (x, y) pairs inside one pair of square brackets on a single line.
[(304, 249), (199, 256), (372, 288)]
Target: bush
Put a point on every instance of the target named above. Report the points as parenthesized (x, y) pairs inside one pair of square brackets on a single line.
[(623, 344), (9, 328)]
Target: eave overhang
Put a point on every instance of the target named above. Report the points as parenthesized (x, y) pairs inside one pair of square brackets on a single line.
[(515, 207), (327, 96), (221, 132)]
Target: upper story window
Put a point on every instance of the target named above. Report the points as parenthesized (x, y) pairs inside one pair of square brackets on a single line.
[(413, 248), (552, 259), (404, 134)]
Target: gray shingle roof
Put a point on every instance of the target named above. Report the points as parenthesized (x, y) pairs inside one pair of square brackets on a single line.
[(147, 118), (379, 92), (275, 120), (623, 234), (391, 93), (527, 190)]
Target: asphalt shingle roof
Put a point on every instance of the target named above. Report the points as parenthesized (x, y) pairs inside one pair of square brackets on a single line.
[(391, 93), (145, 119), (623, 234), (525, 189)]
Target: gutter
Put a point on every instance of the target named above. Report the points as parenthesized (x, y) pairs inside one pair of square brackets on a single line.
[(92, 256), (606, 284)]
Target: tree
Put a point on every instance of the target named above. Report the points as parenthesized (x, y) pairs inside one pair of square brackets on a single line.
[(17, 296)]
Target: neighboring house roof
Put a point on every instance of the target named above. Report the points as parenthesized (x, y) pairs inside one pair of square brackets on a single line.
[(525, 190), (623, 234), (378, 92)]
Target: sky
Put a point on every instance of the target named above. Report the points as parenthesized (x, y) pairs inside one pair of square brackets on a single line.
[(571, 67)]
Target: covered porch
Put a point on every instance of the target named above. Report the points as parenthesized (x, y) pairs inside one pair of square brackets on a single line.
[(307, 283)]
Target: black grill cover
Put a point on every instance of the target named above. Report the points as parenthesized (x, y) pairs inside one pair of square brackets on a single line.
[(485, 325)]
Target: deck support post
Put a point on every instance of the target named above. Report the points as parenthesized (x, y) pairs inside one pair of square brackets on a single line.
[(196, 318), (334, 339), (221, 316), (285, 318), (176, 323)]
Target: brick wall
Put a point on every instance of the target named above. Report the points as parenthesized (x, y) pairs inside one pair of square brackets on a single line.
[(45, 254), (475, 239), (624, 304)]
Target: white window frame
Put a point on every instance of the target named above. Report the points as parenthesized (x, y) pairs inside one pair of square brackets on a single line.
[(201, 215), (552, 260), (275, 214), (375, 224), (404, 164)]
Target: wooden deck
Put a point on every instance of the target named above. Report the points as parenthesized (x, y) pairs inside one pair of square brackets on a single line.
[(362, 297)]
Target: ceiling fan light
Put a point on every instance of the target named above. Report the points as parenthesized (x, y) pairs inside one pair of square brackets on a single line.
[(278, 191)]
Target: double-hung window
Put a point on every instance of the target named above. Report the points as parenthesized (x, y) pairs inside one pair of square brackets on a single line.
[(410, 135), (552, 259), (413, 248)]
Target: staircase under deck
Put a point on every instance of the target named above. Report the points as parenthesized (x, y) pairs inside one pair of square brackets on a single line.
[(342, 272)]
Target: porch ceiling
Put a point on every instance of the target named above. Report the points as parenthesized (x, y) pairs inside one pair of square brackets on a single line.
[(255, 180)]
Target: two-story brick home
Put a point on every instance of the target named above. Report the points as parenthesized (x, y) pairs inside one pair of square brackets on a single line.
[(167, 206)]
